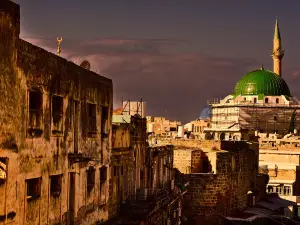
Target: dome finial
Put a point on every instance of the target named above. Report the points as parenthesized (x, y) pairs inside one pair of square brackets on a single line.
[(262, 67)]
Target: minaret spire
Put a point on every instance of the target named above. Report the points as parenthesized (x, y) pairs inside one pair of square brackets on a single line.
[(278, 52)]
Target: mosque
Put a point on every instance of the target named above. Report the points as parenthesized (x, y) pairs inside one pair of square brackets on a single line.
[(261, 102)]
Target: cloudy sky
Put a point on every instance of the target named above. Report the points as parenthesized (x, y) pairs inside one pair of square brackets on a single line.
[(176, 54)]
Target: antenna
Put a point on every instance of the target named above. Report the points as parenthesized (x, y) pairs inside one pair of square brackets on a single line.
[(86, 65)]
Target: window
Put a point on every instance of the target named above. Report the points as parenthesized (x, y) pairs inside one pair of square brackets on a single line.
[(92, 118), (115, 171), (255, 100), (33, 188), (57, 114), (205, 165), (35, 109), (90, 179), (3, 169), (173, 128), (103, 178), (55, 185), (277, 100), (71, 113), (104, 119), (266, 100)]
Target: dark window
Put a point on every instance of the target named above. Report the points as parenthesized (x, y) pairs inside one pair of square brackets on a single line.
[(103, 178), (255, 100), (71, 113), (3, 170), (33, 188), (35, 109), (205, 165), (173, 128), (104, 119), (122, 170), (115, 171), (266, 100), (92, 118), (57, 113), (277, 100), (55, 185), (103, 174), (90, 180)]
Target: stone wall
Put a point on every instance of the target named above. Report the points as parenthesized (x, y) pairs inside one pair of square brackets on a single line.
[(223, 190), (40, 143)]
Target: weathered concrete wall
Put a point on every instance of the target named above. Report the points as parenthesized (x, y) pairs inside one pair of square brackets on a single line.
[(40, 153)]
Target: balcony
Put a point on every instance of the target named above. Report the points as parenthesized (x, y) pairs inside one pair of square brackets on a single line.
[(146, 201)]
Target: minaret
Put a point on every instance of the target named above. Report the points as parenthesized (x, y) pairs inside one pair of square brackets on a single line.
[(278, 52)]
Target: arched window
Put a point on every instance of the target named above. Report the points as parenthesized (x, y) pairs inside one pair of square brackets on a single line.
[(255, 100), (266, 100), (277, 100)]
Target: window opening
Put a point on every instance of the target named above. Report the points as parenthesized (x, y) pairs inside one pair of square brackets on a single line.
[(33, 188), (55, 185), (57, 113)]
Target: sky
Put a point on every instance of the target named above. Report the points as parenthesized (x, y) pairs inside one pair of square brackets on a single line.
[(174, 54)]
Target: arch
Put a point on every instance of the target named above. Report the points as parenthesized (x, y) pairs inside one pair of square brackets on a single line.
[(277, 100), (208, 136), (266, 100), (255, 100)]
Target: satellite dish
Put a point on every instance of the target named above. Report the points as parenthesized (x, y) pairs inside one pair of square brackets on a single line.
[(86, 65)]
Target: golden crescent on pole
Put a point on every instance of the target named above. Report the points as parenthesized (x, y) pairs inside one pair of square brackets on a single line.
[(58, 48)]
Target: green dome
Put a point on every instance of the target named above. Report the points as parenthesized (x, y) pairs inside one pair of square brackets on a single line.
[(262, 82)]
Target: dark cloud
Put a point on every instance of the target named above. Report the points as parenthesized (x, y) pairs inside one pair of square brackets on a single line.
[(173, 83)]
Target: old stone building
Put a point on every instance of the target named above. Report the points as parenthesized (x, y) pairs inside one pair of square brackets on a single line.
[(162, 127), (142, 185), (128, 171), (54, 134), (222, 175)]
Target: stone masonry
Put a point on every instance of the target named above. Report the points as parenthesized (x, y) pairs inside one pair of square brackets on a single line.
[(225, 173), (54, 134)]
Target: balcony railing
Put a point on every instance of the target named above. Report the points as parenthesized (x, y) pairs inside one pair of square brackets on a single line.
[(145, 201)]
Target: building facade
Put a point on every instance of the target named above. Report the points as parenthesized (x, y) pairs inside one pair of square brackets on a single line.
[(280, 158), (142, 185), (162, 127), (128, 171), (55, 132)]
